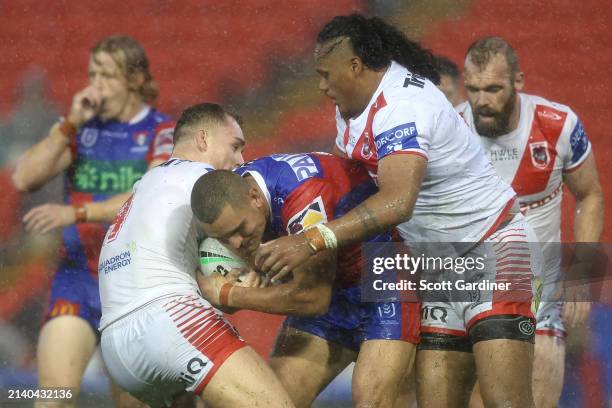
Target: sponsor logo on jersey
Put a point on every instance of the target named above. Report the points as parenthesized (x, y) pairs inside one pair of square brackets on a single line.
[(89, 137), (539, 154), (115, 262), (414, 80), (107, 177), (399, 138), (140, 138), (115, 134), (303, 165), (504, 154), (309, 216)]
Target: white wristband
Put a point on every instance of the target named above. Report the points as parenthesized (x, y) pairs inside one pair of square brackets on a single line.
[(331, 242)]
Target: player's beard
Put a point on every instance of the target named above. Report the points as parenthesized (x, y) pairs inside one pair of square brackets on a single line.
[(501, 120)]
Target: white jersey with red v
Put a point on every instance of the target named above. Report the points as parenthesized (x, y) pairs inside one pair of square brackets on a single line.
[(461, 197), (549, 141)]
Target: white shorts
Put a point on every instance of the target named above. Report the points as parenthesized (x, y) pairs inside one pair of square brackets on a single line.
[(511, 255), (549, 320), (167, 347), (549, 315)]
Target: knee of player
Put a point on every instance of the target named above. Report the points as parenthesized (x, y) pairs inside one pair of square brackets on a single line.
[(371, 397)]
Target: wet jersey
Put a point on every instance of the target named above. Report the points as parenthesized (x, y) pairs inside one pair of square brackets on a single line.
[(151, 249), (107, 159), (461, 196), (307, 189), (549, 141)]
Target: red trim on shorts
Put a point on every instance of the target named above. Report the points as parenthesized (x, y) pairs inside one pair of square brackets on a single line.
[(504, 308), (208, 332), (234, 344), (551, 333), (411, 322), (503, 215), (442, 330)]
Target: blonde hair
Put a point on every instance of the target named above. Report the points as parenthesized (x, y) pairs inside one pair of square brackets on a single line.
[(130, 56)]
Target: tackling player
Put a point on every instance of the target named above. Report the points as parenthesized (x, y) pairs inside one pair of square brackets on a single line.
[(160, 338), (106, 142), (436, 185), (287, 194), (536, 145)]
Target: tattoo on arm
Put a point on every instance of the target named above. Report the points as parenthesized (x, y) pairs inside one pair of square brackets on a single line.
[(368, 219)]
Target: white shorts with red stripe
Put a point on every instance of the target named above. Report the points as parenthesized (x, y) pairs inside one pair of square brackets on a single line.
[(167, 347), (549, 316), (511, 255), (549, 320)]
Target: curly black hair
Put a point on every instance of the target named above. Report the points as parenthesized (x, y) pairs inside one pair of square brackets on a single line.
[(377, 43)]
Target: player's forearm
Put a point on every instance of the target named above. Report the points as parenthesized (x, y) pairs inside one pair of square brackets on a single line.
[(40, 163), (105, 211), (284, 299), (589, 220), (377, 214)]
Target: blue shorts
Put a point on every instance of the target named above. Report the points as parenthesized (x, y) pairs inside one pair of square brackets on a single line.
[(349, 322), (74, 292)]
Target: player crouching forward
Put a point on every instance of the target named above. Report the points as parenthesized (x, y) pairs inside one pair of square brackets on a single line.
[(286, 194), (159, 336)]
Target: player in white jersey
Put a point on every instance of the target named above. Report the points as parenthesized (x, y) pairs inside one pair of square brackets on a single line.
[(536, 145), (160, 338), (437, 186)]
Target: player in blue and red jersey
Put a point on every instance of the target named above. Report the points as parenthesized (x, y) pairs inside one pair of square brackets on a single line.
[(108, 140), (329, 326)]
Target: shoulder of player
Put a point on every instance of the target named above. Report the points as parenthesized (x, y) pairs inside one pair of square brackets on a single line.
[(534, 102), (463, 108), (178, 171), (400, 107)]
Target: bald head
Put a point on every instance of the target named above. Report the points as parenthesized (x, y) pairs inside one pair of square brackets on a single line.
[(215, 190)]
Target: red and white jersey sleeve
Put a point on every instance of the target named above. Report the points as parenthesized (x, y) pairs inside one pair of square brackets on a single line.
[(548, 141), (151, 249), (461, 196)]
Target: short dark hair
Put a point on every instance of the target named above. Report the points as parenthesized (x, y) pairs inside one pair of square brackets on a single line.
[(377, 43), (214, 190), (482, 50), (445, 66), (202, 113)]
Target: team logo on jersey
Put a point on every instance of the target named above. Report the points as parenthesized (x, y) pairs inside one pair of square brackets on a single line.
[(309, 216), (140, 138), (366, 152), (89, 137), (539, 154)]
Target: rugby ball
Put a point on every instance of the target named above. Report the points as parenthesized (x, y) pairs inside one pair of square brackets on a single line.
[(217, 258)]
